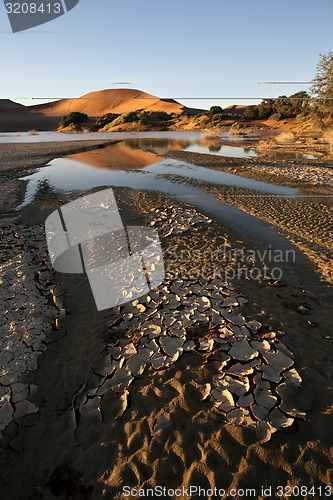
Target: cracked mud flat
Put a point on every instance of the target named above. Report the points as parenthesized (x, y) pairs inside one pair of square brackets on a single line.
[(191, 423), (257, 379), (28, 314)]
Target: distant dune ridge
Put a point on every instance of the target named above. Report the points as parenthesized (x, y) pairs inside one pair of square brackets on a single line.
[(16, 117), (236, 109), (7, 104)]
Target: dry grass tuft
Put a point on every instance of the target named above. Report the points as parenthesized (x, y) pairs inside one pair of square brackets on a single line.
[(285, 138), (328, 137), (32, 132), (211, 134), (235, 131), (211, 139), (266, 146)]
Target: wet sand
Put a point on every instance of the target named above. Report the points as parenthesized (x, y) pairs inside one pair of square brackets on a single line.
[(20, 156), (16, 159), (306, 220), (259, 168), (197, 446)]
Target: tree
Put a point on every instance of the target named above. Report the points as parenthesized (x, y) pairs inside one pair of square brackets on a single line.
[(322, 89), (215, 110), (251, 112), (283, 107), (265, 108), (300, 102)]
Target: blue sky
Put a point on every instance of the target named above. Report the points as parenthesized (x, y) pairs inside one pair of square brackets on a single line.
[(170, 48)]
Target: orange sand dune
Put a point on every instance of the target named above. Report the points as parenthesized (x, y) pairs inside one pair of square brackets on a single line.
[(109, 101), (7, 104), (237, 109), (15, 117), (117, 157)]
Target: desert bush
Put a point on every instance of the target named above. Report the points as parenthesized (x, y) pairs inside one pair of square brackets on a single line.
[(265, 108), (217, 117), (32, 132), (131, 116), (73, 118), (285, 137), (236, 128), (103, 120), (251, 112), (215, 110), (163, 115), (280, 108), (300, 103), (116, 121), (75, 126), (142, 117), (275, 116), (283, 108)]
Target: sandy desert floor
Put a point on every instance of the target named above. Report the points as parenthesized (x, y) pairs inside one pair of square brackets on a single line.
[(71, 431)]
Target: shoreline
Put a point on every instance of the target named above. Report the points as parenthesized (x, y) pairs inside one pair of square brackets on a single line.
[(251, 167), (18, 158), (22, 155)]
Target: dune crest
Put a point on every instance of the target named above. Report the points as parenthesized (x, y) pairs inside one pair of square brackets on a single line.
[(237, 109), (109, 101)]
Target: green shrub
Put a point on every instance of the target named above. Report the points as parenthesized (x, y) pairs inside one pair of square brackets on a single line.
[(238, 126), (275, 116), (116, 121), (144, 118), (215, 110), (75, 126), (73, 118), (103, 120), (131, 116), (163, 115), (217, 117), (251, 112)]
